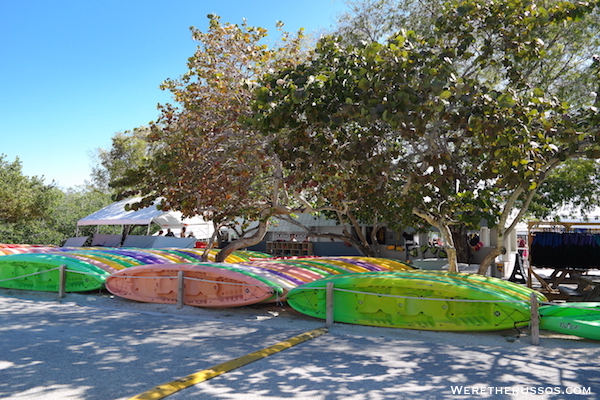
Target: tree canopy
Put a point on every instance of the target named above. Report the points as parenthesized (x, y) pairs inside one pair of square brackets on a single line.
[(454, 116), (22, 198), (38, 213), (128, 150), (571, 189), (451, 122), (205, 161)]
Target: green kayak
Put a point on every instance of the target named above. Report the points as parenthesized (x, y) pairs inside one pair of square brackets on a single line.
[(578, 319), (39, 272), (427, 301)]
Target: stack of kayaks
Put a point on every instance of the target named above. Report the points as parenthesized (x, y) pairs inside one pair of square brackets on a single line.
[(24, 248), (578, 319), (427, 300), (235, 284), (368, 291), (123, 263), (35, 267)]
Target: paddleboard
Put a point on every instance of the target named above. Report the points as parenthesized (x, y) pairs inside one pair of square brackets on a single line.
[(109, 259), (100, 264), (382, 263)]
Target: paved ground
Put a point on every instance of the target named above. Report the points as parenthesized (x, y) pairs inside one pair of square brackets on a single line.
[(96, 347)]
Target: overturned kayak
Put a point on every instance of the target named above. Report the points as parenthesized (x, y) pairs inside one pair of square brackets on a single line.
[(578, 319), (427, 301), (40, 272), (205, 285)]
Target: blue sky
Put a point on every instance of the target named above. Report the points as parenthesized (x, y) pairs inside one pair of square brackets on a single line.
[(76, 72)]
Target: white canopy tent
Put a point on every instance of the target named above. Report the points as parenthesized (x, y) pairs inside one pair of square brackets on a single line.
[(116, 214)]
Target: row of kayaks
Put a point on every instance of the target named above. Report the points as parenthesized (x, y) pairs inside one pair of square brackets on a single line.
[(366, 291), (90, 269)]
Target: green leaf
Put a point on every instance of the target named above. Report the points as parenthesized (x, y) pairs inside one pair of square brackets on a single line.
[(446, 94), (506, 101)]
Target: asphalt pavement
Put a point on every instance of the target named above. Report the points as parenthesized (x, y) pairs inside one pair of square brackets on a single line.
[(99, 347)]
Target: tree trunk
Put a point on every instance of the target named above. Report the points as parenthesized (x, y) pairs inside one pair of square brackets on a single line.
[(489, 259), (243, 242), (446, 234), (211, 241), (366, 251), (498, 250), (464, 252)]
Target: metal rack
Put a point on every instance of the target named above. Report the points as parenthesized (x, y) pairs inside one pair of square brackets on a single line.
[(588, 286)]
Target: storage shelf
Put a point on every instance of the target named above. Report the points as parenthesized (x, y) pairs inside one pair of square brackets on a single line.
[(290, 248)]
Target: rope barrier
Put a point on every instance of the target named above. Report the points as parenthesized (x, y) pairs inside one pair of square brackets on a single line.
[(85, 273), (198, 280), (415, 298), (28, 275), (302, 288)]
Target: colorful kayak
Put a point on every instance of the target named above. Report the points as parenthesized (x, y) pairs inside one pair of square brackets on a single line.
[(205, 285), (515, 289), (578, 319), (91, 260), (404, 299), (39, 272)]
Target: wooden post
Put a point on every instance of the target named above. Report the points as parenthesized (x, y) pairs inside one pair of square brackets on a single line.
[(329, 305), (535, 321), (62, 280), (180, 289)]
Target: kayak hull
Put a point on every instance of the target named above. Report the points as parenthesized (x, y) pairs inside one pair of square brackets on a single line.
[(439, 302)]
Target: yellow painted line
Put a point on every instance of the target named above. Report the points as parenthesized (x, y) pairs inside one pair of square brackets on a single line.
[(167, 389)]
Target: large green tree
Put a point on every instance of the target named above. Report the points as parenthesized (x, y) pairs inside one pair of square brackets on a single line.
[(378, 20), (572, 189), (566, 51), (22, 198), (205, 161), (32, 212), (462, 137), (128, 150), (561, 71)]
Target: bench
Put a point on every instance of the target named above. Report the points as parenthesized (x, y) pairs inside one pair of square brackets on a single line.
[(588, 286)]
